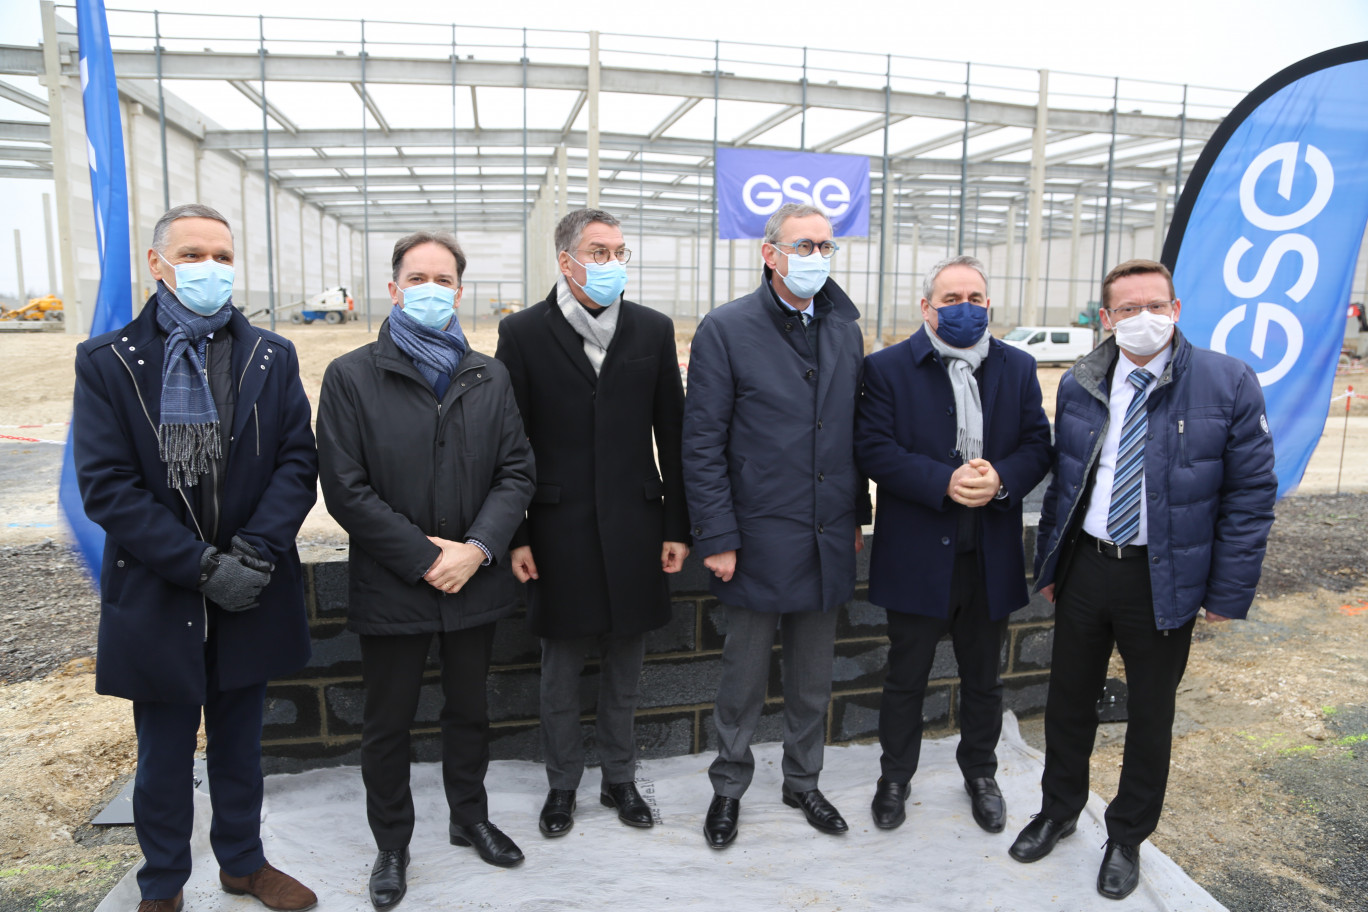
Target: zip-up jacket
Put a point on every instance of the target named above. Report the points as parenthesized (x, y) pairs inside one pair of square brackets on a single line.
[(1209, 479), (154, 623), (397, 465)]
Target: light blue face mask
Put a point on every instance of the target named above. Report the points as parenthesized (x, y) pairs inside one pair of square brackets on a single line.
[(806, 274), (204, 287), (603, 282), (430, 304)]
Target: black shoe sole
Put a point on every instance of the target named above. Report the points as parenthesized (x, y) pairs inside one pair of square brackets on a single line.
[(1069, 831), (821, 828), (608, 802)]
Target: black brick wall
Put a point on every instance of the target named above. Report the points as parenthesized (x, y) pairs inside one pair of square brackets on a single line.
[(314, 718)]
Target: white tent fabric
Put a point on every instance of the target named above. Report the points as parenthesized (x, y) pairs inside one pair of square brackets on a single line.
[(314, 827)]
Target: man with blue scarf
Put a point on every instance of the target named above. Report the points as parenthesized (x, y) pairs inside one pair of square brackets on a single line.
[(194, 453), (423, 460), (951, 429)]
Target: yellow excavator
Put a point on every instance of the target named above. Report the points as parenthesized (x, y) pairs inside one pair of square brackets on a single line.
[(48, 308)]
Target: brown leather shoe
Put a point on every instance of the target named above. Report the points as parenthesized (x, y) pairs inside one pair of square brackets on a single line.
[(276, 889), (174, 904)]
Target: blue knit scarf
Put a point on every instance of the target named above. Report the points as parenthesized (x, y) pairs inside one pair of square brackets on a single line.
[(435, 352), (188, 436)]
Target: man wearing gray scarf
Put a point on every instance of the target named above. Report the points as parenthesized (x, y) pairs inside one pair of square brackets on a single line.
[(950, 427)]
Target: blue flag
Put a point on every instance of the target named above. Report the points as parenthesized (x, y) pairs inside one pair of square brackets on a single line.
[(109, 185), (753, 183), (1266, 235)]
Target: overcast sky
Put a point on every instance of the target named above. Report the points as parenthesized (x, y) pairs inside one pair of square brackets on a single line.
[(1201, 42)]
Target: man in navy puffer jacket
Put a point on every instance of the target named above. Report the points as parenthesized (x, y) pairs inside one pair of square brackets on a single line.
[(1160, 504)]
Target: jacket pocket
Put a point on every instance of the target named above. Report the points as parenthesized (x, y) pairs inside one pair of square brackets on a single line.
[(640, 364), (547, 494)]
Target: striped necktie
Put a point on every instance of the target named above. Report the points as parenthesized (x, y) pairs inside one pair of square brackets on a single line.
[(1123, 517)]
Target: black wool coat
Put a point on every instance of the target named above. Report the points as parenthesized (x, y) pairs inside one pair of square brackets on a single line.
[(603, 506), (396, 465)]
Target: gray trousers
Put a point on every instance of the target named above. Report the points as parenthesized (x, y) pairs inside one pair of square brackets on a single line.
[(807, 638), (620, 660)]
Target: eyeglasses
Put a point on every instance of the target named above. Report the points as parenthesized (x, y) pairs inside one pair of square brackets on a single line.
[(1129, 310), (804, 247), (601, 255)]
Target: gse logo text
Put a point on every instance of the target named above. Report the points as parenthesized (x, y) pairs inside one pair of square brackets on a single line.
[(763, 194), (1287, 241)]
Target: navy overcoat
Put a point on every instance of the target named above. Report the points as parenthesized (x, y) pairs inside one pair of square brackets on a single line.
[(905, 443), (768, 465), (153, 621)]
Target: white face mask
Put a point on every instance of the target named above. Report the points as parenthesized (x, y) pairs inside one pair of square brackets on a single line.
[(1145, 333)]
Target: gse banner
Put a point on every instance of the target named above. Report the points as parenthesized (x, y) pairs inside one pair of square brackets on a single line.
[(753, 183), (1266, 235)]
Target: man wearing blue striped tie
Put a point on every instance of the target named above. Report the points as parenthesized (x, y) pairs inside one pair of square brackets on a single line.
[(1160, 505)]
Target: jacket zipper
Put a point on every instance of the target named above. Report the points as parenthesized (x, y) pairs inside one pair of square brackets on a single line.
[(188, 509), (1182, 443)]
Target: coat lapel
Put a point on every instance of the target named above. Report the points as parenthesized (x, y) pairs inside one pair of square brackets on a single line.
[(831, 341), (570, 340), (992, 376), (253, 359)]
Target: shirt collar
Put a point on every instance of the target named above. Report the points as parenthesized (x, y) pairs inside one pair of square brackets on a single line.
[(1156, 365), (784, 305)]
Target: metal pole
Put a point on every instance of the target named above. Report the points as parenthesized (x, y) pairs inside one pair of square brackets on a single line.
[(19, 267), (1182, 135), (712, 255), (897, 242), (1348, 401), (1036, 201), (964, 161), (641, 219), (885, 212), (592, 187), (1049, 249), (802, 123), (365, 183), (525, 263), (266, 175), (47, 236), (161, 114), (456, 194), (1111, 171)]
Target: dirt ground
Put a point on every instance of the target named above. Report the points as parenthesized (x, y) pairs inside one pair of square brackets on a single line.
[(1267, 801)]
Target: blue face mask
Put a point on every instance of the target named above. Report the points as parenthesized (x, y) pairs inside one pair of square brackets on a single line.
[(203, 287), (430, 304), (603, 282), (961, 325), (806, 274)]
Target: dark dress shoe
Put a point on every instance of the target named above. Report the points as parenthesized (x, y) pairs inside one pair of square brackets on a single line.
[(816, 809), (558, 813), (721, 823), (494, 847), (1120, 871), (1039, 837), (889, 807), (174, 904), (389, 878), (632, 810), (990, 811)]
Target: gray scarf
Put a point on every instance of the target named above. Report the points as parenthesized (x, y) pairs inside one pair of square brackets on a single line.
[(961, 363), (596, 332)]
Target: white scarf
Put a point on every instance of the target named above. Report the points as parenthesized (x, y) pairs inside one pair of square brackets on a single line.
[(960, 364), (596, 332)]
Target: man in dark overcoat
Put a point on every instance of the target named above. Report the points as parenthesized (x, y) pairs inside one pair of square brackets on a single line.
[(423, 460), (775, 502), (193, 452), (951, 429), (597, 382)]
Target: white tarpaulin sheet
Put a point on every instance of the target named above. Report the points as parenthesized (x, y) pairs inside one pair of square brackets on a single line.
[(314, 827)]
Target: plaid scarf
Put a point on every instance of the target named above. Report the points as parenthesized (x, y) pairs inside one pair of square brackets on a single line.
[(435, 352), (188, 436)]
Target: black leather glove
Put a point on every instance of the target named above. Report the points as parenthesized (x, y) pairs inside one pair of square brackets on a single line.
[(229, 583), (250, 557)]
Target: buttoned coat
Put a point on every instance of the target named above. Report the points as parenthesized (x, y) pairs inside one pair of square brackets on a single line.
[(603, 505), (153, 620), (768, 463), (398, 465), (905, 442)]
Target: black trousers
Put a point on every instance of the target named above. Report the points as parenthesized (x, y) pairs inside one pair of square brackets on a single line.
[(1105, 601), (163, 789), (392, 667), (977, 642)]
